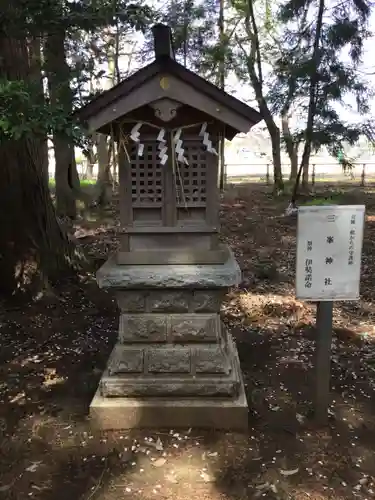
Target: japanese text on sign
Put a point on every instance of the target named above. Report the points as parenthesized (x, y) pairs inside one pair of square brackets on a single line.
[(329, 246)]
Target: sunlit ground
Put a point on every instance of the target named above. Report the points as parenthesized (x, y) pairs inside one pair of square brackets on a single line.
[(52, 357)]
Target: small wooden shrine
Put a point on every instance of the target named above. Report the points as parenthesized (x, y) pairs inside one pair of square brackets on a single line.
[(168, 122), (171, 271)]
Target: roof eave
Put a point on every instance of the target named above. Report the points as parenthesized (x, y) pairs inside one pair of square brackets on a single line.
[(109, 97)]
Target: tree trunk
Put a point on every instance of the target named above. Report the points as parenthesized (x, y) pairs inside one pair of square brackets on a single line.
[(276, 157), (293, 166), (103, 185), (290, 145), (255, 70), (314, 82), (64, 178), (89, 160), (33, 245), (35, 58), (89, 169), (66, 175), (221, 24), (114, 173), (305, 176)]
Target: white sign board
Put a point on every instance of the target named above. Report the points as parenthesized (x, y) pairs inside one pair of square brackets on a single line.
[(329, 248)]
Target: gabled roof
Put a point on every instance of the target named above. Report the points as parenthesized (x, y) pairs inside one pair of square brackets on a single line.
[(170, 66), (238, 117)]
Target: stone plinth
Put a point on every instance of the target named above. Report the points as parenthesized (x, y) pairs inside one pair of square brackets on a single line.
[(173, 351)]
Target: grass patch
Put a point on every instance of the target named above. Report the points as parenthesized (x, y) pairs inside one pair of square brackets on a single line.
[(83, 182), (334, 199)]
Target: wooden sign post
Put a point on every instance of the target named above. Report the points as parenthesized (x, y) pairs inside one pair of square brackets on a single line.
[(329, 248)]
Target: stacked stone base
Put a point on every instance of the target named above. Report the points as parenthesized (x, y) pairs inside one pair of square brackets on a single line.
[(169, 413), (174, 364)]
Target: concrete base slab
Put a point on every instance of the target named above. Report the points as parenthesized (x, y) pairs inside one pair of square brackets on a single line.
[(129, 413)]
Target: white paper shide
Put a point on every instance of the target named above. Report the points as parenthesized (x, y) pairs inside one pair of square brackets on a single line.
[(329, 248)]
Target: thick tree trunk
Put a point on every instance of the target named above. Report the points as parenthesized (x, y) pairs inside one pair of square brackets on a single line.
[(66, 175), (32, 245), (35, 58)]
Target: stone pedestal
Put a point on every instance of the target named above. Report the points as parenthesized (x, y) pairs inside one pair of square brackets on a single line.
[(174, 364)]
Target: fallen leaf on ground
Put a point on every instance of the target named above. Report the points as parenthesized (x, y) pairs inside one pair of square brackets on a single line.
[(159, 445), (171, 478), (159, 462), (206, 477), (300, 418), (212, 454), (289, 472), (33, 467), (263, 486)]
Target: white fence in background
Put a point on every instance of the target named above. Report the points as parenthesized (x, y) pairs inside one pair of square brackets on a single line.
[(263, 171), (318, 172)]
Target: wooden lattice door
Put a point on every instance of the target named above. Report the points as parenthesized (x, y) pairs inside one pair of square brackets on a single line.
[(146, 176), (191, 188)]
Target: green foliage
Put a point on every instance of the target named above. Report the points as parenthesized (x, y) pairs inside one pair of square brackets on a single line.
[(193, 24), (43, 16), (23, 114), (23, 110), (338, 79)]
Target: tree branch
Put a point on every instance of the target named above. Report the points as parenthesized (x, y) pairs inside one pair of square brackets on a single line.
[(252, 30)]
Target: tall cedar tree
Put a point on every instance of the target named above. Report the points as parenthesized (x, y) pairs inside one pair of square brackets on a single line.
[(32, 242), (33, 247)]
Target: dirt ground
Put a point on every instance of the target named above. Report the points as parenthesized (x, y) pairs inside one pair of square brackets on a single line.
[(52, 356)]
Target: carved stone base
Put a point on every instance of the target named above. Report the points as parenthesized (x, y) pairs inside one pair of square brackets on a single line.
[(173, 354), (171, 412), (180, 371)]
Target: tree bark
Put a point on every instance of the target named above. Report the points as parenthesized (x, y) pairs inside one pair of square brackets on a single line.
[(89, 168), (221, 25), (65, 199), (33, 245), (290, 145), (103, 185), (35, 58), (66, 175), (305, 176), (276, 156), (293, 167)]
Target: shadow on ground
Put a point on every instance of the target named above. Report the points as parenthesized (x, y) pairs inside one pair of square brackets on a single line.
[(52, 356)]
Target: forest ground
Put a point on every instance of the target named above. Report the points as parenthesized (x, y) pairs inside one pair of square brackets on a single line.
[(52, 356)]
